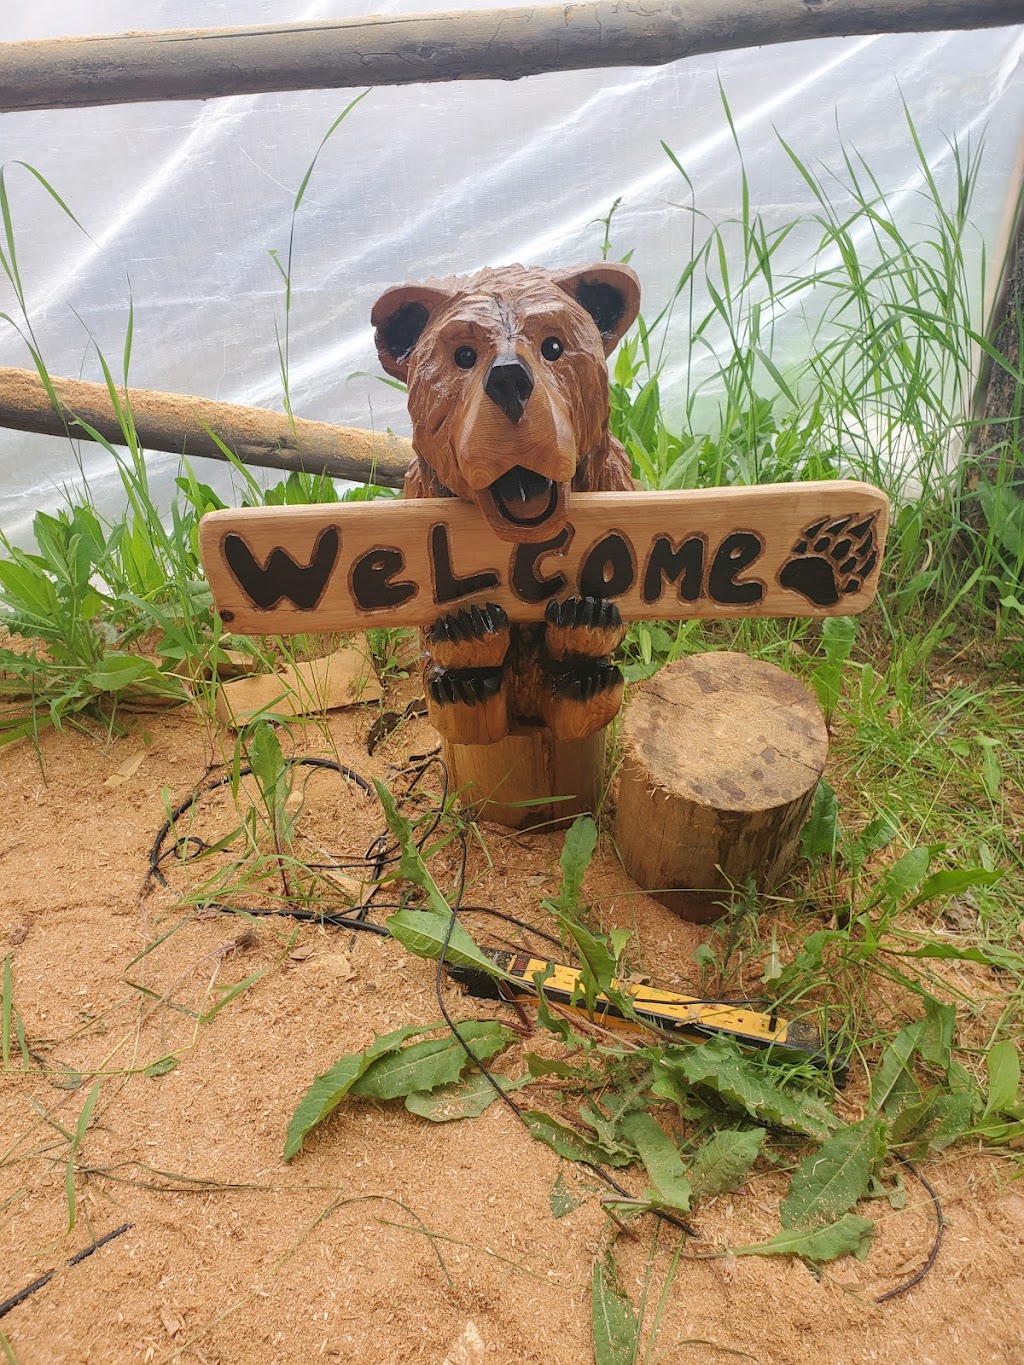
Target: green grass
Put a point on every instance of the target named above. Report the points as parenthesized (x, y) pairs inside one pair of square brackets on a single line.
[(904, 930)]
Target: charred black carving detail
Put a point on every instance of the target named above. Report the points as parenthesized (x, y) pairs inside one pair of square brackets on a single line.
[(280, 576), (832, 559)]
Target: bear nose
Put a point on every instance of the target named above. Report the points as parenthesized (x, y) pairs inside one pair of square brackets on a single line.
[(509, 384)]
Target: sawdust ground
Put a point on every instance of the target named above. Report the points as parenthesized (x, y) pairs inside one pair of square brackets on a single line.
[(389, 1238)]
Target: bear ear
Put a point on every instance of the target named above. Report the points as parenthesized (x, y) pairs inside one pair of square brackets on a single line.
[(399, 317), (609, 293)]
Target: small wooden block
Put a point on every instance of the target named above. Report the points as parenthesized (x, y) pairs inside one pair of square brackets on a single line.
[(528, 778), (801, 549), (721, 756), (344, 678)]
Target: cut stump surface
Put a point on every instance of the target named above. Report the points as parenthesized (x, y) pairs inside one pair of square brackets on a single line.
[(721, 755)]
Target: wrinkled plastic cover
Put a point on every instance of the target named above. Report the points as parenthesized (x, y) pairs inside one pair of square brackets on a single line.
[(181, 205)]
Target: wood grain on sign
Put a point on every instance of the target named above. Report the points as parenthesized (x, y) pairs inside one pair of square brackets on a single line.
[(801, 549)]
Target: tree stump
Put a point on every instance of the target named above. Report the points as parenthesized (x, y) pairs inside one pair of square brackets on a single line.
[(722, 754), (528, 778)]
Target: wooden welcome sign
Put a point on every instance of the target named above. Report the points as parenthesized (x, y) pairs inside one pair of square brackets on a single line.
[(801, 549)]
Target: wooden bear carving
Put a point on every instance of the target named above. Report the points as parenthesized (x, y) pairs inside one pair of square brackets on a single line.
[(508, 394)]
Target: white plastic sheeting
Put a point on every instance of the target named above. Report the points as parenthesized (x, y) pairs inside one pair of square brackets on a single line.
[(182, 204)]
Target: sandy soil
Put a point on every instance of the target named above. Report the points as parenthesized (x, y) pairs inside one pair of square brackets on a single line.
[(389, 1238)]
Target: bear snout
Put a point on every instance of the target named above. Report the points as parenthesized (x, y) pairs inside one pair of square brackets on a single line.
[(509, 384)]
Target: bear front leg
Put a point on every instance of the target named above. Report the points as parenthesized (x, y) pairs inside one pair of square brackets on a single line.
[(467, 696), (584, 689)]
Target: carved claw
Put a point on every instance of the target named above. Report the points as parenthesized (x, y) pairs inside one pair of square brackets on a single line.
[(468, 705), (470, 623), (468, 685), (584, 697), (582, 627), (583, 611), (580, 682), (473, 637)]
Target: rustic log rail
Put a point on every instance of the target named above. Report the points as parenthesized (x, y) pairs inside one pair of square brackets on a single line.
[(181, 424), (496, 44)]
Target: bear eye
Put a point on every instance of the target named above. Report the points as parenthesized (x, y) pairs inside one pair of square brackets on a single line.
[(465, 357), (551, 348)]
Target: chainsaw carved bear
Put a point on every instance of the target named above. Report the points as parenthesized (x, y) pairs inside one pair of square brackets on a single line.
[(508, 394)]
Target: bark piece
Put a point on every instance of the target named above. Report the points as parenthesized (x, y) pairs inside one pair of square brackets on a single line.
[(344, 678)]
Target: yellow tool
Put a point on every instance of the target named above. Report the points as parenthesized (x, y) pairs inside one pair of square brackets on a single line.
[(663, 1011)]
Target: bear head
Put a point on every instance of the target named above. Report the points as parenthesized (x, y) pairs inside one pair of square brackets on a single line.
[(508, 382)]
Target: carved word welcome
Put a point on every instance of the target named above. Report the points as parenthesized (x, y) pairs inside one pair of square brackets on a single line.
[(802, 549)]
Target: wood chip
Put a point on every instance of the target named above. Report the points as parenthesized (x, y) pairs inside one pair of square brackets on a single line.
[(343, 678), (126, 769)]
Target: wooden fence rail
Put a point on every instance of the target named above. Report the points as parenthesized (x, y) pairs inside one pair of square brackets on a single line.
[(181, 424), (496, 44)]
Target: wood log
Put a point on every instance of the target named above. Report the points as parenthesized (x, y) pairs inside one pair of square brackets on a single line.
[(182, 425), (721, 756), (489, 44), (528, 779)]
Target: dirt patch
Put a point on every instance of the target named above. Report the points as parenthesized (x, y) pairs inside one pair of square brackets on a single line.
[(389, 1238)]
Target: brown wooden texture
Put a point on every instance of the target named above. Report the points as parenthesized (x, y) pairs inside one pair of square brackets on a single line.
[(508, 387), (528, 778), (806, 549), (182, 425), (493, 44), (721, 755)]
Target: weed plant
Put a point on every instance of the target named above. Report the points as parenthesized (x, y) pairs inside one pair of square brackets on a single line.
[(913, 850)]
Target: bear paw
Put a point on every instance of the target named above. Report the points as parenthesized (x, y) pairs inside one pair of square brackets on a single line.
[(582, 628), (583, 698), (468, 705), (473, 638)]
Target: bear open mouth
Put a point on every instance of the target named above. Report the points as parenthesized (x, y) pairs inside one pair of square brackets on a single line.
[(523, 497)]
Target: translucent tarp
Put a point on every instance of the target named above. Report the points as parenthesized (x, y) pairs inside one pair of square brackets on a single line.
[(182, 204)]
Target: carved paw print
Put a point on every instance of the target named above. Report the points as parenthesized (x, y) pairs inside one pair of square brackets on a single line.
[(832, 559)]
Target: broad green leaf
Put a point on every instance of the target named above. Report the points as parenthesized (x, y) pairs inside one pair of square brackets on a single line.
[(266, 760), (955, 879), (614, 1323), (905, 875), (577, 851), (935, 1123), (118, 671), (661, 1158), (850, 1236), (1003, 1066), (598, 963), (936, 1040), (992, 955), (837, 636), (829, 1182), (427, 1065), (548, 1066), (719, 1065), (423, 932), (465, 1100), (411, 865), (721, 1163), (328, 1090), (567, 1142), (821, 833), (893, 1086)]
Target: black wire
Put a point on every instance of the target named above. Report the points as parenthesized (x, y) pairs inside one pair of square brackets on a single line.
[(940, 1227), (23, 1294)]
